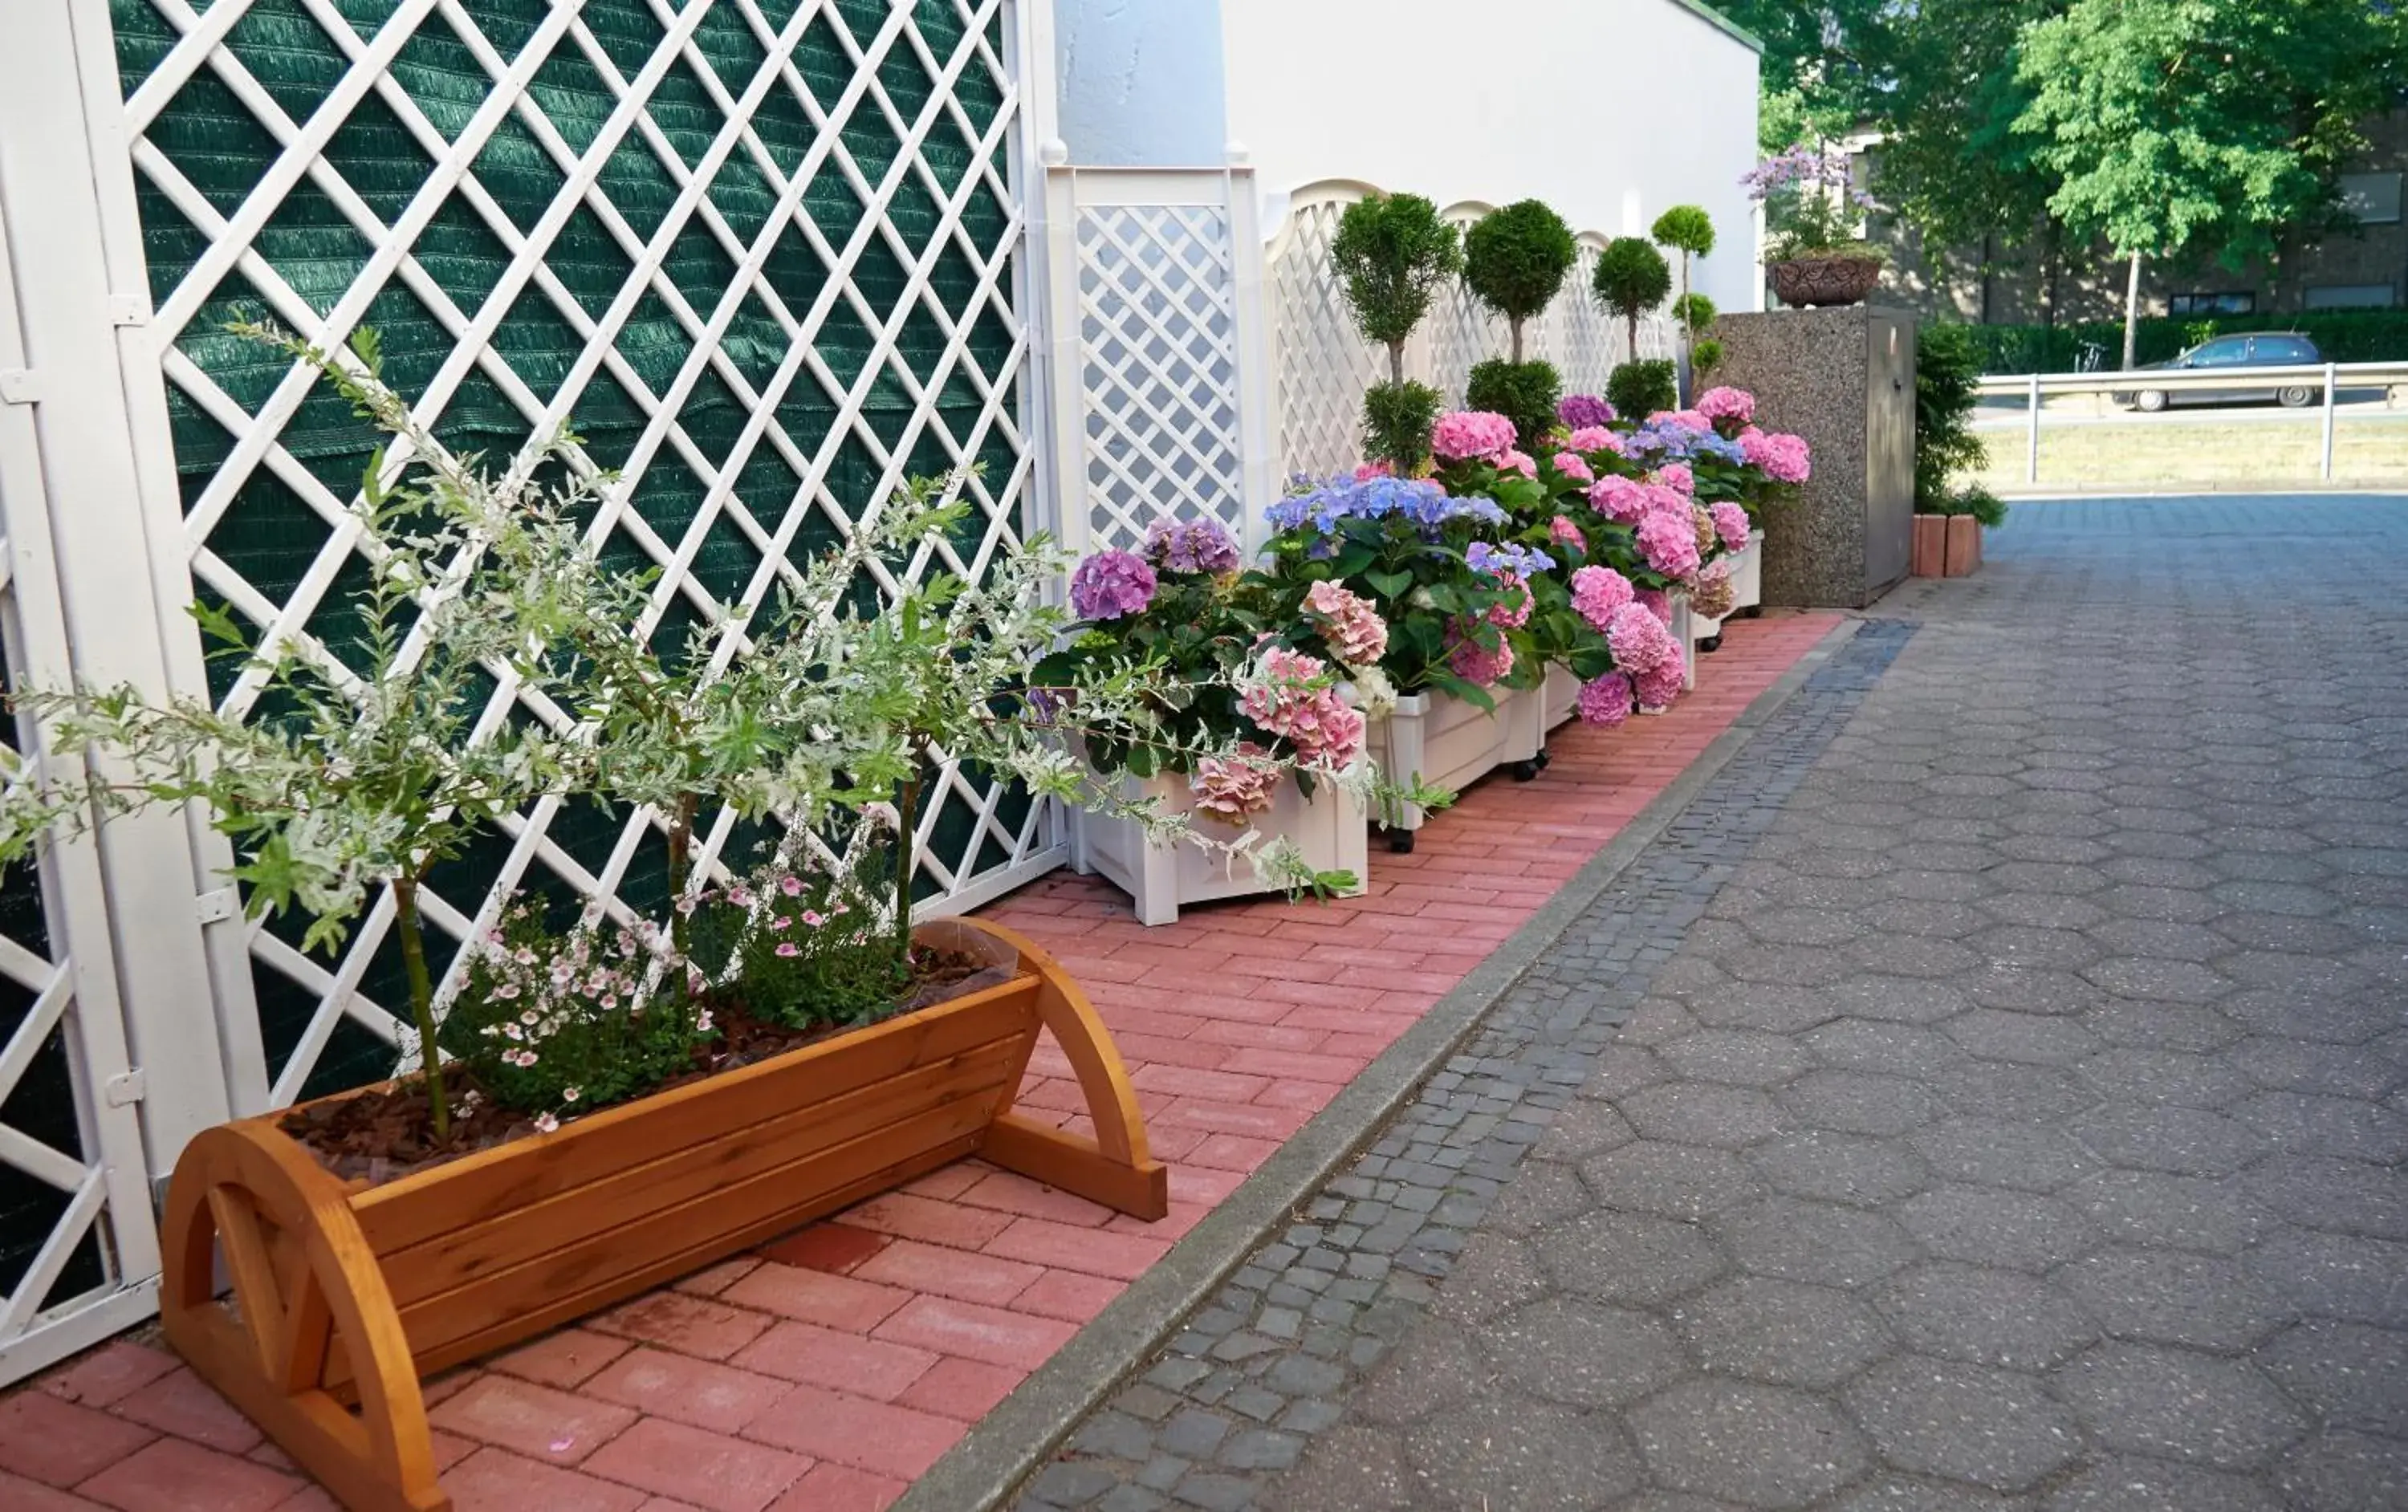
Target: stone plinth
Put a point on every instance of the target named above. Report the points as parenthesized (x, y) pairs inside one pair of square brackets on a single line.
[(1844, 380)]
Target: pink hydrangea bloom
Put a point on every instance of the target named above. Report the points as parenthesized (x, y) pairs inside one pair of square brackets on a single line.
[(1714, 593), (1655, 602), (1370, 470), (1709, 538), (1668, 541), (1594, 438), (1513, 611), (1677, 476), (1348, 622), (1110, 584), (1575, 467), (1782, 458), (1564, 532), (1518, 462), (1469, 434), (1638, 640), (1729, 404), (1475, 664), (1621, 499), (1731, 523), (1605, 701), (1598, 593), (1291, 694), (1658, 688), (1689, 417), (1235, 788)]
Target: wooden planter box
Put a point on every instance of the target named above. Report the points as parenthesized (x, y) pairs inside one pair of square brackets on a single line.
[(1451, 744), (1330, 828), (348, 1293), (1964, 545), (1929, 558)]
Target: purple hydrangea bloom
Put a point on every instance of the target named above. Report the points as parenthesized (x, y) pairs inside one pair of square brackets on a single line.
[(1520, 560), (1194, 546), (1580, 411), (1110, 584)]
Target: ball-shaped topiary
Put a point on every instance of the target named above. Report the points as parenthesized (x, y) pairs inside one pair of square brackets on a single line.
[(1522, 393), (1695, 313), (1632, 278), (1639, 389), (1396, 421), (1514, 260), (1686, 229), (1705, 357), (1392, 253)]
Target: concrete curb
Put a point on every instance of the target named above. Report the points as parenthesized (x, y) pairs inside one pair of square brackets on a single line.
[(1013, 1441)]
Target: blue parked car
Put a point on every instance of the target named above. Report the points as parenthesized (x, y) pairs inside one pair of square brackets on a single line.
[(2263, 349)]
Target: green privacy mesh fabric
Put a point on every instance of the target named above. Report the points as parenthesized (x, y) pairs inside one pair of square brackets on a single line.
[(215, 154)]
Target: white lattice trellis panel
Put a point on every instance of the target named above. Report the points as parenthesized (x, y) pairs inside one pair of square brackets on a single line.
[(760, 250), (1160, 360), (1462, 332), (1324, 363)]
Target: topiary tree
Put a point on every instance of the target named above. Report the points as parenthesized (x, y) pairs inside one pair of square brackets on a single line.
[(1639, 389), (1392, 253), (1632, 278), (1688, 230), (1514, 261)]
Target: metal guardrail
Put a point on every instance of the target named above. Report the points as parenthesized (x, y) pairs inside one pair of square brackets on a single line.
[(2329, 376)]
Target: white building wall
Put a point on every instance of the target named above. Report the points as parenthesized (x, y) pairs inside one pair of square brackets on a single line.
[(1141, 82), (1609, 110)]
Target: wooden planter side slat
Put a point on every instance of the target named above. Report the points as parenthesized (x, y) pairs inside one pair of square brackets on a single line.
[(512, 1177), (507, 1243), (481, 1250)]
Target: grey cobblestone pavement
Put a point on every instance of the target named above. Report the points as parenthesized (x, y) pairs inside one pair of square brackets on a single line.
[(1987, 1095)]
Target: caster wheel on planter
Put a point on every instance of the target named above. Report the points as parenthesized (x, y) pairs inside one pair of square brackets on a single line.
[(1400, 842), (1524, 771), (1544, 758), (1709, 645)]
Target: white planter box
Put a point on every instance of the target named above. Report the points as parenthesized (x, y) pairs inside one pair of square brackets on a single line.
[(1685, 631), (1751, 572), (1330, 828), (1451, 744), (1561, 695)]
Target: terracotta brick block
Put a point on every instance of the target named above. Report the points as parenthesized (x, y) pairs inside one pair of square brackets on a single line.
[(17, 1495), (689, 1325), (548, 1426), (976, 1332), (174, 1475), (182, 1404), (1011, 1193), (878, 1368), (497, 1480), (1964, 545), (709, 1470), (1231, 1152), (910, 1217), (1064, 1247), (563, 1358), (841, 1487), (835, 1248), (949, 1272), (702, 1393), (60, 1443), (876, 1436), (1293, 1066), (107, 1374), (1070, 1296), (963, 1389), (816, 1297)]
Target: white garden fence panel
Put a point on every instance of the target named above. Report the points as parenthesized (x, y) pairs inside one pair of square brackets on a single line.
[(1323, 364), (1160, 364)]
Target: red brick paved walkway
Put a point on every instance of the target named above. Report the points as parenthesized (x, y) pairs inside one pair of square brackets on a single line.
[(824, 1373)]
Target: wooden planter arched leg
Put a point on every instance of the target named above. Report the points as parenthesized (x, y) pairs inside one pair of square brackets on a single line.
[(1113, 1168), (303, 1279)]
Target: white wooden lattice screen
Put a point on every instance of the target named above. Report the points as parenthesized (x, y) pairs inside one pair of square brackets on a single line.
[(1323, 365), (767, 432), (1159, 353)]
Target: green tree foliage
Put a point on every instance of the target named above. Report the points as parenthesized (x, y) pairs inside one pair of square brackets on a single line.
[(1688, 230), (1632, 277), (1393, 253), (2174, 125), (1514, 260)]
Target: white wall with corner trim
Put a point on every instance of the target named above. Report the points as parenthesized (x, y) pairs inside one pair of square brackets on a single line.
[(1610, 111)]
